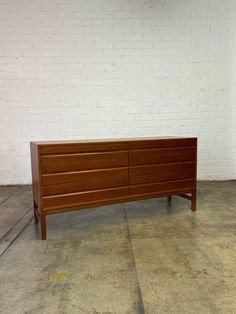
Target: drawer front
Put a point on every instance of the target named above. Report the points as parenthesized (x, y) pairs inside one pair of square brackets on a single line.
[(181, 142), (84, 181), (161, 155), (82, 148), (73, 199), (84, 161), (162, 186), (161, 172)]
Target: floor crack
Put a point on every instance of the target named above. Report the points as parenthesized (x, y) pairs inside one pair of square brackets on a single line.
[(141, 309)]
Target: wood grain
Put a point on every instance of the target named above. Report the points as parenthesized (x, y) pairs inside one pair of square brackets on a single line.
[(67, 200), (116, 200), (157, 143), (161, 155), (161, 186), (161, 172), (84, 161), (36, 175), (82, 148), (85, 181), (83, 176)]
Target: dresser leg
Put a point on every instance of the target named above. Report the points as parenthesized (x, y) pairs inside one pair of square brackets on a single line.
[(194, 201), (36, 218), (43, 225), (169, 199)]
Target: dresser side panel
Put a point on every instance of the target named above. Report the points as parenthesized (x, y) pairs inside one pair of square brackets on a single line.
[(195, 160), (35, 172)]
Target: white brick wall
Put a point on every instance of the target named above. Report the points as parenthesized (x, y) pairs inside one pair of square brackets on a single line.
[(73, 69)]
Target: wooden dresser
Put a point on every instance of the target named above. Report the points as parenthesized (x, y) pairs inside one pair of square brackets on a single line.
[(71, 175)]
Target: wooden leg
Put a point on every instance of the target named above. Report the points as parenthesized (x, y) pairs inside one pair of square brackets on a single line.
[(169, 199), (43, 226), (36, 218), (194, 201)]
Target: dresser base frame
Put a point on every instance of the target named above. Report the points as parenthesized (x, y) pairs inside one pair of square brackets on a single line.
[(41, 215)]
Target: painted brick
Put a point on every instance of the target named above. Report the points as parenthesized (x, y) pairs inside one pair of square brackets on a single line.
[(73, 69)]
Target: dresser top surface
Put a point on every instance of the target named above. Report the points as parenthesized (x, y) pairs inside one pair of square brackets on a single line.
[(110, 140)]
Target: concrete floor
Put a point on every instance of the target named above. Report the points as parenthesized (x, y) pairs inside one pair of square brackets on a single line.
[(140, 257)]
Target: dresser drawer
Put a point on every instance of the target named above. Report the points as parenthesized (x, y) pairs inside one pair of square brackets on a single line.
[(163, 186), (73, 199), (161, 172), (161, 155), (72, 148), (158, 143), (85, 180), (84, 161)]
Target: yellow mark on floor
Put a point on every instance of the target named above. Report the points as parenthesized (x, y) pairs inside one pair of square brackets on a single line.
[(89, 277), (61, 276)]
